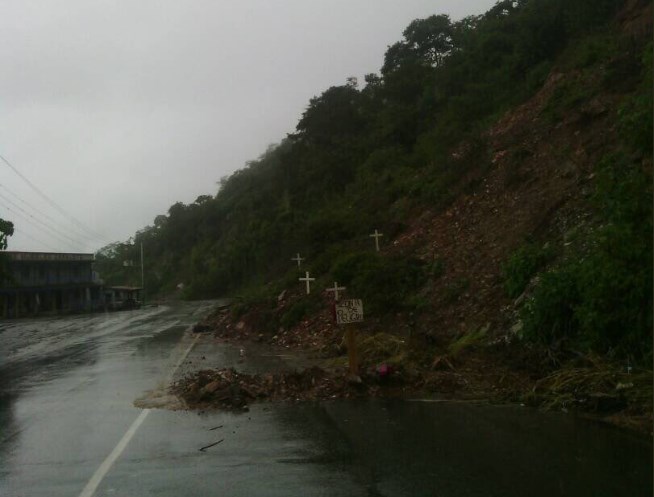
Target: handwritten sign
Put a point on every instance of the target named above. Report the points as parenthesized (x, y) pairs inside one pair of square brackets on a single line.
[(349, 311)]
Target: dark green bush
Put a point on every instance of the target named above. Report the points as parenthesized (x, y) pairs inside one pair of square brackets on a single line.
[(549, 315), (384, 283), (635, 116), (615, 290), (602, 300), (298, 311), (522, 266)]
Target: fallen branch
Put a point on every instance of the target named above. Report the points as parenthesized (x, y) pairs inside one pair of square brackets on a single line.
[(211, 445)]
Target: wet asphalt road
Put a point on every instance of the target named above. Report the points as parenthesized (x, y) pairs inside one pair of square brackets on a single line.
[(69, 427)]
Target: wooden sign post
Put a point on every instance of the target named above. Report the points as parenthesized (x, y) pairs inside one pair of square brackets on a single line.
[(349, 312), (352, 358)]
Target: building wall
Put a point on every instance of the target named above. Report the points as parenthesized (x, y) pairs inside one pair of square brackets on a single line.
[(27, 274), (49, 283)]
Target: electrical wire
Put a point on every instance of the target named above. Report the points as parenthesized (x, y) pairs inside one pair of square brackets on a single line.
[(52, 202), (54, 237), (34, 239), (74, 232), (61, 236)]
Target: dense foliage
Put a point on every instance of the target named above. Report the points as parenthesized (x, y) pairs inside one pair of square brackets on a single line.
[(6, 230), (365, 158), (523, 265)]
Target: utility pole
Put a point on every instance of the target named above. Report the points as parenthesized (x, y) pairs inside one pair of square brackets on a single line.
[(142, 278)]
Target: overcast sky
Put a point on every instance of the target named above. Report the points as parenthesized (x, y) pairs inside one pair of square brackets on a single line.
[(117, 109)]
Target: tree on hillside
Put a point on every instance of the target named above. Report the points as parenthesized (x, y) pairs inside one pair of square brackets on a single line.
[(426, 41), (6, 230), (332, 116)]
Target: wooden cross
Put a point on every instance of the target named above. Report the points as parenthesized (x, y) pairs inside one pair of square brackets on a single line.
[(336, 289), (298, 259), (308, 281), (376, 235)]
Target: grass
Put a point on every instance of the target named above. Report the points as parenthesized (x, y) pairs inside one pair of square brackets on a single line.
[(572, 386), (466, 341)]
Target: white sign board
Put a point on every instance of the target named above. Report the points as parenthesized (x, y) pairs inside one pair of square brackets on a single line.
[(349, 311)]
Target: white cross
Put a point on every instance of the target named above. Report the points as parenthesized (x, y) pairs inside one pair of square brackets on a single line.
[(298, 259), (376, 235), (336, 289), (308, 281)]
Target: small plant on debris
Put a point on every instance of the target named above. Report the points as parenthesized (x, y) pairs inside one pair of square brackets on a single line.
[(523, 265), (298, 311), (467, 341), (384, 283), (455, 289), (602, 300), (591, 384)]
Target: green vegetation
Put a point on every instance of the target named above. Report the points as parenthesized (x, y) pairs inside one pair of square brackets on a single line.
[(611, 387), (386, 348), (384, 283), (523, 265), (601, 299), (299, 311), (467, 341), (373, 157), (6, 230)]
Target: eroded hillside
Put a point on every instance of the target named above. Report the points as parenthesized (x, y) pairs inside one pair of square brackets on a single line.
[(510, 172)]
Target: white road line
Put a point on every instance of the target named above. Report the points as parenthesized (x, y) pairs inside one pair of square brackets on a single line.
[(181, 359), (106, 465)]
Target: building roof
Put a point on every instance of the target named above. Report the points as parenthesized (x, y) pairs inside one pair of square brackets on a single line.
[(48, 257)]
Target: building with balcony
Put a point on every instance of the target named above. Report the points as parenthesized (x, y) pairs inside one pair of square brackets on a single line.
[(35, 283)]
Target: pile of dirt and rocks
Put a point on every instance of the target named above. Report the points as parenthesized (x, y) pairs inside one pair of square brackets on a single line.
[(399, 367), (317, 332), (233, 390)]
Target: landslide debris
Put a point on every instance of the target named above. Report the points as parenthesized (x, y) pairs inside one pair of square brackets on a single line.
[(233, 390)]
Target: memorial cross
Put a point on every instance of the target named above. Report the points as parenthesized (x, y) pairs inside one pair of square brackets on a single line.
[(308, 281), (376, 235), (298, 259), (336, 289)]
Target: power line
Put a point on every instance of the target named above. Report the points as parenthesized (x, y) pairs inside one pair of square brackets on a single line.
[(52, 202), (55, 235), (61, 236), (34, 239), (77, 234)]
